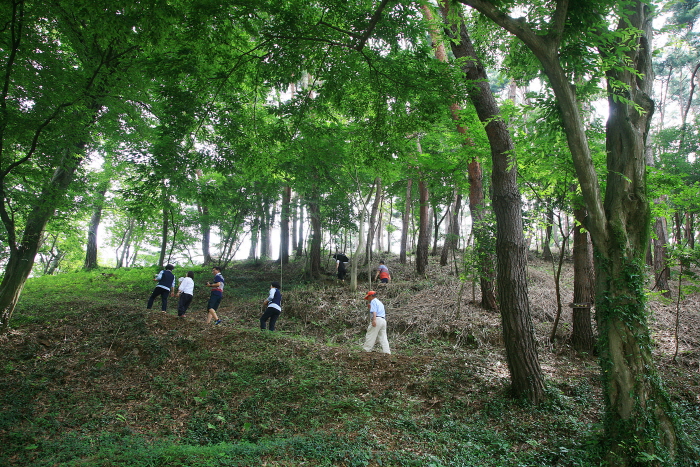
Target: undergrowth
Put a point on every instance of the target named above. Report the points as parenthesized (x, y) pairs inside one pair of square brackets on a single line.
[(90, 378)]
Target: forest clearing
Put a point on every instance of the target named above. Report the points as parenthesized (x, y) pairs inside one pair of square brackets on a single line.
[(91, 379)]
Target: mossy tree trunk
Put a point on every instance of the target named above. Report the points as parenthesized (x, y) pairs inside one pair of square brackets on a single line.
[(638, 417)]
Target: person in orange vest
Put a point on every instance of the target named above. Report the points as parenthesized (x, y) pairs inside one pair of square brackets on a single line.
[(382, 273)]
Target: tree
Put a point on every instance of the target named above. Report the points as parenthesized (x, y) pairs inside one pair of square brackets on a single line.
[(97, 206), (638, 417), (86, 55), (511, 280)]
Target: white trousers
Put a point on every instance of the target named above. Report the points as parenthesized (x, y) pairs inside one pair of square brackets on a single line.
[(377, 331)]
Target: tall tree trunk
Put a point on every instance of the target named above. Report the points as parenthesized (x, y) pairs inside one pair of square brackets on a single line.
[(638, 417), (315, 248), (452, 238), (518, 331), (271, 215), (295, 216), (284, 224), (164, 227), (436, 228), (662, 272), (355, 262), (379, 243), (265, 230), (22, 254), (406, 219), (483, 233), (205, 223), (423, 246), (91, 251), (390, 224), (546, 250), (372, 230), (582, 338), (300, 239), (254, 235)]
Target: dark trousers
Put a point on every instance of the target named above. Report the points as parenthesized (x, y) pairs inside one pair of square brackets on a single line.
[(163, 298), (272, 314), (183, 304)]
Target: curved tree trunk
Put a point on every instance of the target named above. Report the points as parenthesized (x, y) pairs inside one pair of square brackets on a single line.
[(638, 417), (22, 254), (518, 331)]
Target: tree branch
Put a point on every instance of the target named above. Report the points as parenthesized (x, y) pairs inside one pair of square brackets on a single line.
[(372, 24)]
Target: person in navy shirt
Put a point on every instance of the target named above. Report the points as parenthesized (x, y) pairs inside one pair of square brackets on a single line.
[(273, 302), (165, 287), (217, 293)]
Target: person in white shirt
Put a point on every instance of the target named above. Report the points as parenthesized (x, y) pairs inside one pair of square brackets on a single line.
[(185, 292), (377, 326)]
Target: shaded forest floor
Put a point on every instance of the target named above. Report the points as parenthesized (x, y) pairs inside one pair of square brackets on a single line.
[(90, 378)]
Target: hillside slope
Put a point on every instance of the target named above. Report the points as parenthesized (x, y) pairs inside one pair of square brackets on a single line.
[(94, 379)]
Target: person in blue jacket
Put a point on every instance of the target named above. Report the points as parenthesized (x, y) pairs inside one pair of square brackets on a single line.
[(273, 302), (165, 287)]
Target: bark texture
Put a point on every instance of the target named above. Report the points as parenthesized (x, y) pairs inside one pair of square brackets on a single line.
[(315, 250), (638, 416), (423, 245), (511, 266), (582, 338)]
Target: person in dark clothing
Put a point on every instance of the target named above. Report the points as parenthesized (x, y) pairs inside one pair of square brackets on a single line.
[(216, 295), (273, 302), (340, 263), (165, 287)]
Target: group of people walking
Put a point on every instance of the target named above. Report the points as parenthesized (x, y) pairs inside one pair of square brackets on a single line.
[(272, 305), (185, 292)]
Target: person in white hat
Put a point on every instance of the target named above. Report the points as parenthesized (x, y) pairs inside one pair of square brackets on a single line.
[(377, 328)]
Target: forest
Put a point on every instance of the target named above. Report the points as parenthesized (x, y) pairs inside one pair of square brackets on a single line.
[(469, 143)]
